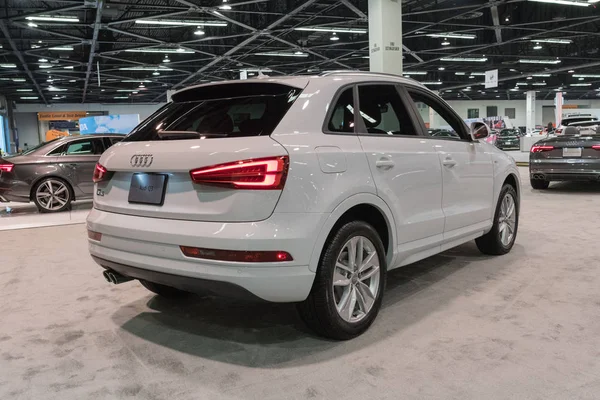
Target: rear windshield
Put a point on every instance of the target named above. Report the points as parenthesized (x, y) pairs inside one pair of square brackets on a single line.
[(251, 114), (569, 121)]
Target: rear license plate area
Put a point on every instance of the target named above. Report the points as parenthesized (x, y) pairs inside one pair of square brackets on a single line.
[(571, 151), (148, 189)]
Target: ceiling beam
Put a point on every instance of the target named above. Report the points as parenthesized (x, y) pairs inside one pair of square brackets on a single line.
[(496, 21), (93, 44), (17, 53)]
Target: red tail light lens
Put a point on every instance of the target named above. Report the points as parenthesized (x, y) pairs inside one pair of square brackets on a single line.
[(97, 236), (100, 173), (257, 174), (6, 167), (539, 149), (558, 131), (596, 147), (236, 256)]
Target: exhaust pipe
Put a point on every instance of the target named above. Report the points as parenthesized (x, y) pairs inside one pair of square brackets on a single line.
[(115, 277)]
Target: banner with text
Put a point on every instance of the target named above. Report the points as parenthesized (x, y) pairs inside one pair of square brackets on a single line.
[(123, 123)]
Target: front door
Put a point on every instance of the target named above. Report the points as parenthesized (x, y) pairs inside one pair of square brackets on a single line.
[(404, 165), (78, 161), (467, 168)]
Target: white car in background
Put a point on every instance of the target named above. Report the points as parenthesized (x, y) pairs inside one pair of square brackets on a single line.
[(573, 119), (273, 189)]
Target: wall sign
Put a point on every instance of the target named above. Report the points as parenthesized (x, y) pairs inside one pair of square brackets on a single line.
[(60, 115)]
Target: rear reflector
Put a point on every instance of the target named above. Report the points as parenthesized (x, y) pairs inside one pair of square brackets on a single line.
[(539, 149), (97, 236), (257, 174), (100, 173), (236, 256), (6, 167)]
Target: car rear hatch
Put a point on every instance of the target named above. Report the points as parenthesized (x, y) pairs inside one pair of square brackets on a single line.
[(207, 156)]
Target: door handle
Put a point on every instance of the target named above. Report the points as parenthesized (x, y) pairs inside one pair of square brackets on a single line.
[(385, 163), (449, 162)]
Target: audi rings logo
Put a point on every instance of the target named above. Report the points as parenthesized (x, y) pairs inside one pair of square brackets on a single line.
[(141, 160)]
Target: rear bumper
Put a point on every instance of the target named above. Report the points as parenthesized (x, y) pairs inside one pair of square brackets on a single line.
[(13, 190), (567, 170), (148, 248)]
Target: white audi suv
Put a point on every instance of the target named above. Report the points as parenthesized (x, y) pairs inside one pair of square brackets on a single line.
[(303, 189)]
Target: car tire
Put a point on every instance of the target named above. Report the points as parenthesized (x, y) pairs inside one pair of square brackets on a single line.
[(352, 291), (539, 184), (52, 195), (501, 238), (164, 290)]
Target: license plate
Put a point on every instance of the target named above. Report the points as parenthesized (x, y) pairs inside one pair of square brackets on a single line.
[(571, 151), (148, 189)]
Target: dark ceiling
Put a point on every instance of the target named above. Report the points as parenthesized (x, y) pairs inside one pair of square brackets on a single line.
[(103, 33)]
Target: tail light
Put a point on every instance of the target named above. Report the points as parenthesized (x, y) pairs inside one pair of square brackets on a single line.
[(257, 174), (596, 147), (235, 255), (97, 236), (558, 131), (100, 173), (539, 149), (6, 167)]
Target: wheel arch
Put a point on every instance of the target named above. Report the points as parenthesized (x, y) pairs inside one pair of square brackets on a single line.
[(374, 210), (511, 179), (34, 184)]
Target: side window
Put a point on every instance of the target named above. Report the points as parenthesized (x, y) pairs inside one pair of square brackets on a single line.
[(383, 111), (342, 117), (439, 122), (84, 148), (115, 140), (57, 151)]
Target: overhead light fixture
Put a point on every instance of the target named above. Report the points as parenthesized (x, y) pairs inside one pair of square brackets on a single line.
[(337, 29), (134, 92), (24, 90), (62, 48), (522, 83), (127, 90), (51, 18), (441, 69), (539, 83), (586, 76), (529, 77), (157, 50), (55, 89), (559, 41), (8, 66), (460, 73), (45, 66), (199, 32), (136, 81), (68, 67), (580, 84), (465, 59), (19, 80), (432, 83), (533, 61), (415, 73), (29, 97), (571, 71), (472, 77), (477, 73), (73, 80), (446, 43), (566, 2), (258, 70), (42, 60), (283, 54), (156, 73), (581, 79), (145, 69), (225, 7), (452, 36), (121, 97), (173, 22), (537, 46), (541, 75), (334, 37), (31, 24)]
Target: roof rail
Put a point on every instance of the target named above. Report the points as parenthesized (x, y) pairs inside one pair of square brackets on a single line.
[(355, 72)]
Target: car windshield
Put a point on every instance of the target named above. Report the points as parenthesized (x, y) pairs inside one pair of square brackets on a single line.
[(569, 121), (508, 132), (39, 146)]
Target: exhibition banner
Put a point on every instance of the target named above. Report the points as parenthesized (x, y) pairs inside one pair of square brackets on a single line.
[(123, 123), (60, 115)]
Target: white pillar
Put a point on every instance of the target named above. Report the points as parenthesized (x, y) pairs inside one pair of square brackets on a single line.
[(558, 104), (530, 110), (385, 36), (243, 74)]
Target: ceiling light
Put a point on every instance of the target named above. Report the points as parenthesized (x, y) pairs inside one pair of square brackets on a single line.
[(432, 83), (134, 92), (68, 67), (539, 83), (45, 66), (127, 90), (283, 54), (52, 18), (415, 72), (145, 69), (55, 89), (530, 77), (571, 71), (331, 29), (581, 79), (560, 41), (173, 22), (19, 79), (61, 48), (73, 80), (522, 83), (334, 37), (537, 46), (199, 32), (478, 73), (580, 84), (451, 35), (514, 90), (225, 7), (121, 97), (586, 76), (8, 66), (541, 75), (472, 77), (533, 61), (136, 81), (24, 90), (42, 60), (465, 59), (29, 97), (460, 73), (156, 50), (31, 24), (445, 43), (441, 69), (156, 73), (258, 70), (513, 70), (564, 2)]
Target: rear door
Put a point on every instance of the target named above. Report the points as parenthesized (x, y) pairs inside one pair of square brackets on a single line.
[(404, 165), (467, 169), (207, 156), (78, 160)]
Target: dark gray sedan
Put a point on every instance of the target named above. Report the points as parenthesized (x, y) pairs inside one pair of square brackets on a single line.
[(574, 156), (54, 173)]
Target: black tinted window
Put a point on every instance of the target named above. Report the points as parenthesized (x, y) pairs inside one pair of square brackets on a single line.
[(443, 119), (252, 115), (342, 116), (383, 111), (84, 147)]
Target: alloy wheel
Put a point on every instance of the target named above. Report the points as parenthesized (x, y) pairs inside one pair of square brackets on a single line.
[(507, 220), (52, 195), (356, 279)]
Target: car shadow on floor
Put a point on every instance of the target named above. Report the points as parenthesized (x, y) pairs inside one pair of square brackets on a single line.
[(265, 335), (575, 188)]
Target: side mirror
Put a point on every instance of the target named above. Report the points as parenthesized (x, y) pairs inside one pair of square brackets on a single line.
[(479, 130)]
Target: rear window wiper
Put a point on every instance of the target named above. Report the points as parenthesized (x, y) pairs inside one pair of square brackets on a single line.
[(181, 135)]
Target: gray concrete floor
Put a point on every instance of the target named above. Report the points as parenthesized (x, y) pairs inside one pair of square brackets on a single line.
[(455, 326)]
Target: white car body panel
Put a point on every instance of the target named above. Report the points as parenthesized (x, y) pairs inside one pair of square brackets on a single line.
[(427, 206)]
